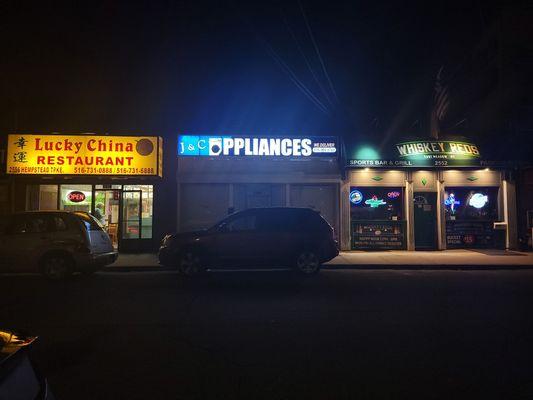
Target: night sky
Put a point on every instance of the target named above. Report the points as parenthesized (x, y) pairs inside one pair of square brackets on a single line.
[(242, 67)]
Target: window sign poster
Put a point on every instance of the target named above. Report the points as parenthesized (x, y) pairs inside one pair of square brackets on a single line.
[(461, 234), (379, 235), (243, 146)]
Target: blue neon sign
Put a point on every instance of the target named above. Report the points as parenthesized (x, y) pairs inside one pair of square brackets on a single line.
[(356, 197)]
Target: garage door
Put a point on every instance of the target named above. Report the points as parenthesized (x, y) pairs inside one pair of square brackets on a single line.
[(202, 204), (321, 198)]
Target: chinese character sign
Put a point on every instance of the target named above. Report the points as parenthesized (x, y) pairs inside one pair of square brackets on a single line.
[(20, 154)]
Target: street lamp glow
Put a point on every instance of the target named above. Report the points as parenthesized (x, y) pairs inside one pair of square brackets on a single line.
[(366, 153)]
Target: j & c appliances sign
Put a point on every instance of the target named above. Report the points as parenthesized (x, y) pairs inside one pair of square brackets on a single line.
[(239, 146), (83, 155)]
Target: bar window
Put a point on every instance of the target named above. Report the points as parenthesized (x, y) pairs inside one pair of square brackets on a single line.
[(377, 218), (376, 203)]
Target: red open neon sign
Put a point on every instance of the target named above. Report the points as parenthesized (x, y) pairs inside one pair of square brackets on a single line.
[(76, 197)]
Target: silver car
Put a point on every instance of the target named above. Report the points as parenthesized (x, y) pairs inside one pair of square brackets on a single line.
[(55, 243)]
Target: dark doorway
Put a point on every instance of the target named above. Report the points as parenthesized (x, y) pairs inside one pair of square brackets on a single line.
[(425, 214)]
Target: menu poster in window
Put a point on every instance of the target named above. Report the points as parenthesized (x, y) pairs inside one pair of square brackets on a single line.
[(461, 234), (378, 236)]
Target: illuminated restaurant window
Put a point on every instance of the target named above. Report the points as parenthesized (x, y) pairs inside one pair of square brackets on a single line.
[(47, 197), (41, 197), (75, 197), (109, 187)]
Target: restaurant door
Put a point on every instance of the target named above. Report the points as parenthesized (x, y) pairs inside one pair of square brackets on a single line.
[(126, 213), (131, 216), (425, 215), (107, 211), (120, 212)]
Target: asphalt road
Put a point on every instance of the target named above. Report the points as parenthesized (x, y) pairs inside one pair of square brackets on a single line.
[(344, 334)]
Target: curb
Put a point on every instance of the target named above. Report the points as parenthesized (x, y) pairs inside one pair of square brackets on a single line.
[(147, 268), (436, 267), (406, 267)]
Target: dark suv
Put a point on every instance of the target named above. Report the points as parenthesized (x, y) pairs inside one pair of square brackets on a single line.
[(261, 237)]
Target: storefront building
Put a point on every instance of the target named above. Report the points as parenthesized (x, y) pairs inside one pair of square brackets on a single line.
[(5, 200), (429, 195), (219, 175), (525, 206), (116, 178), (425, 195)]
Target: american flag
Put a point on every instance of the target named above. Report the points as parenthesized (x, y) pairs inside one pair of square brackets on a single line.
[(441, 102)]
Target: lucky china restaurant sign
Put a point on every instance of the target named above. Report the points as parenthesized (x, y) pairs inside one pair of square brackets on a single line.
[(83, 155)]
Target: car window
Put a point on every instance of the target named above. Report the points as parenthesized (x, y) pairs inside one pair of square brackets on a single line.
[(314, 222), (28, 224), (37, 224), (296, 221), (91, 223), (275, 220), (241, 224), (58, 223)]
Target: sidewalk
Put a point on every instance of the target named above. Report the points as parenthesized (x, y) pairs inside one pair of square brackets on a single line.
[(393, 259), (468, 259)]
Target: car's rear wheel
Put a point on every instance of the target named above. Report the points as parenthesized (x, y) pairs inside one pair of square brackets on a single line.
[(307, 262), (57, 266), (189, 264)]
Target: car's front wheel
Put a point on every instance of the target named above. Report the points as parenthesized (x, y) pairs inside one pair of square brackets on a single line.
[(57, 266), (189, 264), (307, 262)]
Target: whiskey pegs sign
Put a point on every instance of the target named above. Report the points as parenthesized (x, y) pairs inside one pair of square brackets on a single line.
[(427, 153), (437, 149)]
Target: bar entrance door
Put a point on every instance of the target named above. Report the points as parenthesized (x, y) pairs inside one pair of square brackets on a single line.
[(425, 214)]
